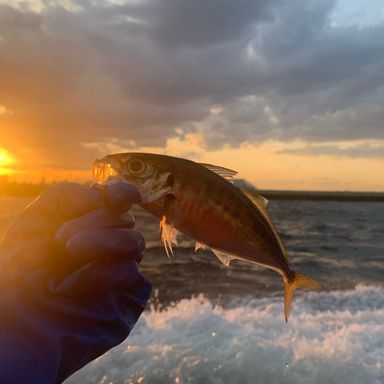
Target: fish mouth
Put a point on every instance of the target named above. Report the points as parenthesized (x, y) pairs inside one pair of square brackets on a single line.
[(104, 172)]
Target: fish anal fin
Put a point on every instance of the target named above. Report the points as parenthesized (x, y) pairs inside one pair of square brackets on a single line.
[(224, 257), (298, 281), (199, 246), (221, 171)]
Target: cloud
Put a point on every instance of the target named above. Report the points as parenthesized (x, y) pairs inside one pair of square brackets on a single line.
[(198, 23), (144, 71)]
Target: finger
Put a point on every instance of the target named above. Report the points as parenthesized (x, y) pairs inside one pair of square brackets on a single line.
[(74, 200), (28, 241), (68, 200), (105, 243), (97, 219), (63, 202), (101, 277), (121, 196)]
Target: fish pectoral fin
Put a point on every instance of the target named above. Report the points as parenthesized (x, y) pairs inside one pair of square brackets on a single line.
[(168, 231), (169, 236), (224, 257), (221, 171)]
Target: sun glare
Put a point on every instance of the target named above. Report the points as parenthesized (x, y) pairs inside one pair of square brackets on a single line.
[(5, 161), (5, 158)]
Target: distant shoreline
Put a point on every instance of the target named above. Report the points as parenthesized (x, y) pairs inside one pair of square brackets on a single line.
[(322, 195), (33, 190)]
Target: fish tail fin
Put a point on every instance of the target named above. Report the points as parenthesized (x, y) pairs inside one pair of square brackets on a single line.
[(290, 285)]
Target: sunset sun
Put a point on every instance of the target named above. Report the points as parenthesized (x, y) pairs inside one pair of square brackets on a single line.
[(5, 161)]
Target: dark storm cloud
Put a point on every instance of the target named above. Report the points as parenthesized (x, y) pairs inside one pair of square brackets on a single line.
[(137, 71), (198, 23)]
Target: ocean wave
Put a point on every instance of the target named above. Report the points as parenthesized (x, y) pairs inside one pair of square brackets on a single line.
[(331, 337)]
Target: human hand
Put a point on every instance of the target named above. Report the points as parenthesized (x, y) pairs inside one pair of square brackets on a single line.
[(70, 288)]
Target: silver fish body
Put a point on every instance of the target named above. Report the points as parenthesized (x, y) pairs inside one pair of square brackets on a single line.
[(200, 201)]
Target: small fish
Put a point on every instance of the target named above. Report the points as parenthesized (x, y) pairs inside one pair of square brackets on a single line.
[(199, 200)]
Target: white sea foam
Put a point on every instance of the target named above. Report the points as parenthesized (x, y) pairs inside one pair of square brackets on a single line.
[(331, 337)]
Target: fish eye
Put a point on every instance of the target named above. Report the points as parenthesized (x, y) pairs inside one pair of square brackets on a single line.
[(136, 166)]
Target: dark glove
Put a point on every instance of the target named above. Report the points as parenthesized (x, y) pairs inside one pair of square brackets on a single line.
[(70, 286)]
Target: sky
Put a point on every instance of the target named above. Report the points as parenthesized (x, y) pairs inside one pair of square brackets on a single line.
[(289, 93)]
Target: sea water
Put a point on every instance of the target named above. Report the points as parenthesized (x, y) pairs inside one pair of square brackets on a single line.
[(210, 324), (333, 337), (207, 323)]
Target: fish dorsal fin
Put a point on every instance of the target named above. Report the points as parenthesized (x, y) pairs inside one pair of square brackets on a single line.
[(221, 171), (224, 257), (260, 203)]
